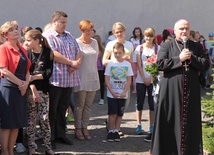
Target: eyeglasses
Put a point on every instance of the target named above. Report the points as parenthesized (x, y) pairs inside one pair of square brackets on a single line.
[(117, 32), (61, 22)]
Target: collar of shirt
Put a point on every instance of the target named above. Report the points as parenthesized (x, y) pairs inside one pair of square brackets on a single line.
[(56, 34)]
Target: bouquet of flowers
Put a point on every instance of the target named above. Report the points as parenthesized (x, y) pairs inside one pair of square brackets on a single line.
[(151, 67)]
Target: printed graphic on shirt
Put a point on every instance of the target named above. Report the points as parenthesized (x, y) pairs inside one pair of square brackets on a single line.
[(118, 78)]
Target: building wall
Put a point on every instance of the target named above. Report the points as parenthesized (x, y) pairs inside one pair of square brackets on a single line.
[(158, 14)]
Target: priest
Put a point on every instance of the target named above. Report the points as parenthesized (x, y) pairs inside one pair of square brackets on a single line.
[(177, 128)]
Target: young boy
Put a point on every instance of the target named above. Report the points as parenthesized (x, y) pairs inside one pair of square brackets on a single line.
[(118, 75)]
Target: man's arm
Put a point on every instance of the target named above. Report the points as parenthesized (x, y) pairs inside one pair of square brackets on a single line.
[(59, 58)]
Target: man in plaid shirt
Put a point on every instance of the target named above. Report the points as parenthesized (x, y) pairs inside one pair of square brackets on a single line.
[(67, 58)]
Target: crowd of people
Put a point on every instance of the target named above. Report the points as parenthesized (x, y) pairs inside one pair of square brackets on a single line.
[(46, 72)]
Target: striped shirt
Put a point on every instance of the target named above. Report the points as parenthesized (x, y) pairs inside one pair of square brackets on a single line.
[(65, 44)]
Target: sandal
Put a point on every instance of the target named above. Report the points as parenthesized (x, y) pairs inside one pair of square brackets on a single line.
[(79, 134), (86, 134)]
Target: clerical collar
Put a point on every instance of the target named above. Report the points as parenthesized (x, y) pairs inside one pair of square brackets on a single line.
[(179, 42)]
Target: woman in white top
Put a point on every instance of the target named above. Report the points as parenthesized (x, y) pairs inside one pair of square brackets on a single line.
[(85, 93), (119, 31), (144, 80)]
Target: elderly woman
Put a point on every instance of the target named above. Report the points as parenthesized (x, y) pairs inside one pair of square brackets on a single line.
[(14, 69), (85, 93)]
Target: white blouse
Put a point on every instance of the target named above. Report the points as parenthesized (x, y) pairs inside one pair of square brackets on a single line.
[(88, 68)]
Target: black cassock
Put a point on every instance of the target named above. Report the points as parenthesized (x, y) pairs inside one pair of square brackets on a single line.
[(177, 129)]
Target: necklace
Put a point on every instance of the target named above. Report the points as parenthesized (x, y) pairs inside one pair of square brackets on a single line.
[(185, 63)]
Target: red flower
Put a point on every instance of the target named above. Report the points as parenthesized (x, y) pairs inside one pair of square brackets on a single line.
[(151, 67)]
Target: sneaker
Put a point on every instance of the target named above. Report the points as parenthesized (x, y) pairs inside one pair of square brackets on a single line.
[(110, 137), (20, 148), (139, 130), (101, 102), (148, 138), (116, 137), (120, 133), (69, 118)]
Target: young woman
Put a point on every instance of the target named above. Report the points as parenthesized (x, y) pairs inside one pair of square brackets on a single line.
[(118, 75), (14, 70), (41, 57), (119, 31), (136, 40), (144, 80)]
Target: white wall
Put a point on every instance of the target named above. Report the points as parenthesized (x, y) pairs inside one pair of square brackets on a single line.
[(158, 14)]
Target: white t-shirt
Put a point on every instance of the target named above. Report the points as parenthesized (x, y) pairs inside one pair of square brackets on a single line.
[(128, 46), (145, 54), (118, 72), (135, 44)]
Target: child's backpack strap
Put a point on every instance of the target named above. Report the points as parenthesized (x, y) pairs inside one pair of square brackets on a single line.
[(156, 49)]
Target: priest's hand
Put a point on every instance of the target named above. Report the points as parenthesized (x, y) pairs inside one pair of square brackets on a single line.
[(185, 55)]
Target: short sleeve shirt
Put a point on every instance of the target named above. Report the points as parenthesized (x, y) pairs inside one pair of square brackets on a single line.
[(66, 45), (118, 72)]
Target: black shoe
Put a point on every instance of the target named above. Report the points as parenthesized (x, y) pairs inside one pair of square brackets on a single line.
[(116, 137), (110, 137), (53, 144), (65, 140), (148, 138)]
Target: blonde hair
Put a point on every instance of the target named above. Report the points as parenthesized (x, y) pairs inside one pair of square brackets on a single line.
[(150, 32), (119, 25), (100, 45), (1, 40), (7, 26), (85, 25), (47, 26)]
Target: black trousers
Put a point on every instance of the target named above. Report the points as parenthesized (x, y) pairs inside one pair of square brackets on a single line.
[(59, 101), (102, 81)]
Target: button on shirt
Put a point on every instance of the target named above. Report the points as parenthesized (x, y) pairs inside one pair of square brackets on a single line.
[(65, 44)]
